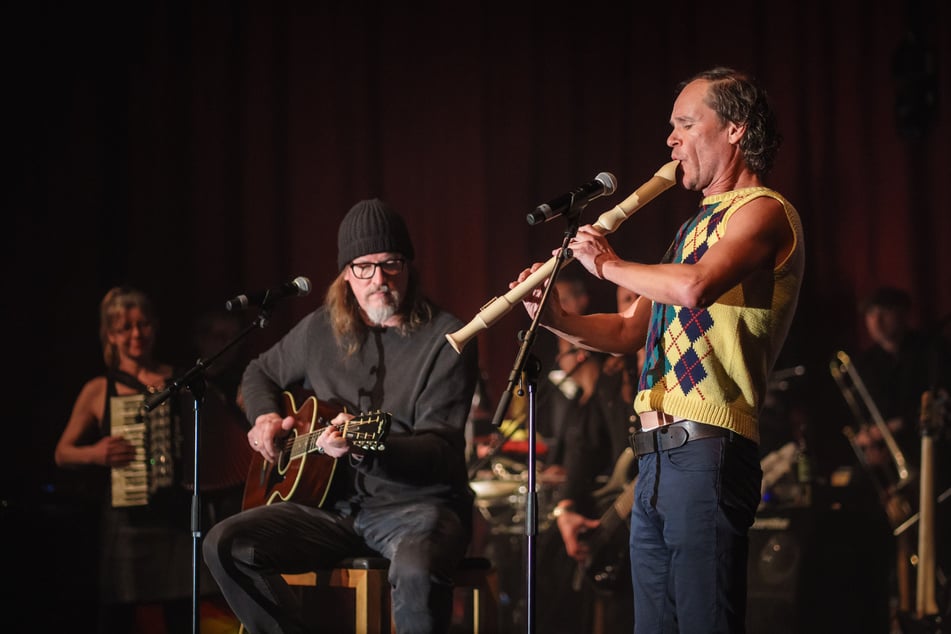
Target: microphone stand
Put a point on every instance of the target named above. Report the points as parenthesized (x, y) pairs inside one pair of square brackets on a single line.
[(194, 381), (528, 366)]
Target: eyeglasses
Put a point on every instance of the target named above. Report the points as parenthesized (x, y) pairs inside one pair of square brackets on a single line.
[(126, 327), (366, 270)]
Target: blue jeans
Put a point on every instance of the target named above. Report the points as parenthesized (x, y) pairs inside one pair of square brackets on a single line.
[(693, 507), (248, 552)]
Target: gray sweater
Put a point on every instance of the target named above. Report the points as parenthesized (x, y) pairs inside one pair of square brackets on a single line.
[(417, 378)]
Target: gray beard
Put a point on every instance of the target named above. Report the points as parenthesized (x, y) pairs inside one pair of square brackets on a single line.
[(379, 315)]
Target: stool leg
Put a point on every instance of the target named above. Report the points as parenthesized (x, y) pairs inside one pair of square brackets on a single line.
[(484, 600), (476, 612), (362, 616), (371, 599)]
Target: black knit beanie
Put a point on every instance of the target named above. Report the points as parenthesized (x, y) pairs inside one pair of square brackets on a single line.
[(372, 226)]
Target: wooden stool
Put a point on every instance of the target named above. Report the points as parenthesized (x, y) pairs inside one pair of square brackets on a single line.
[(366, 577)]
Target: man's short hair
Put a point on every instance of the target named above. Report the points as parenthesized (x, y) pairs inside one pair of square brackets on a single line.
[(886, 297)]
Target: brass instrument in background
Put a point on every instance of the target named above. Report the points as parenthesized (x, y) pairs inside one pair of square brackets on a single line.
[(891, 482), (918, 598), (608, 222)]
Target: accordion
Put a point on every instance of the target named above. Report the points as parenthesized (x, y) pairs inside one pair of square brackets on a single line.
[(156, 447)]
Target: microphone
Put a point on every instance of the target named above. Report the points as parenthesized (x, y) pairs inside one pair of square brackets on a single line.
[(297, 286), (603, 184)]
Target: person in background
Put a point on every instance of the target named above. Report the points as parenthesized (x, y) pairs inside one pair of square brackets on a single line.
[(145, 544), (712, 317), (225, 456), (586, 585), (567, 387), (376, 344), (900, 365)]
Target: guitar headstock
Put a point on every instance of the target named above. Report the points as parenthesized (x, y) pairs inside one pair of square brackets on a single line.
[(368, 431)]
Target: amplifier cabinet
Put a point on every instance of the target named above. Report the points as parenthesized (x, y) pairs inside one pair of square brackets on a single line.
[(813, 571)]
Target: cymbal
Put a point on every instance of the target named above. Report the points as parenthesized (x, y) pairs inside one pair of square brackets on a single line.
[(486, 489)]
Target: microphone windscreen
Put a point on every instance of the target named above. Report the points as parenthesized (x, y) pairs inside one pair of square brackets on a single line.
[(610, 183), (303, 285)]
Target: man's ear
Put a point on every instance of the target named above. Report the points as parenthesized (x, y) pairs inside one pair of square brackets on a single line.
[(735, 132)]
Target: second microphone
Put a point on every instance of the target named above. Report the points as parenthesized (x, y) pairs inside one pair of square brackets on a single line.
[(298, 286)]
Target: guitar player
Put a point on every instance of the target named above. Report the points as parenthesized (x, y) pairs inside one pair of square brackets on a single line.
[(585, 585), (376, 344)]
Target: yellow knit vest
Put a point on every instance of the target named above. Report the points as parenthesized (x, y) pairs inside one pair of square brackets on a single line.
[(712, 364)]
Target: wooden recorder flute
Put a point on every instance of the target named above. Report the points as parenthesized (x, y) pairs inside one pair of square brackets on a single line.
[(608, 222)]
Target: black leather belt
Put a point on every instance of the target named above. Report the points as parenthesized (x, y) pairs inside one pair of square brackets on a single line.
[(673, 435)]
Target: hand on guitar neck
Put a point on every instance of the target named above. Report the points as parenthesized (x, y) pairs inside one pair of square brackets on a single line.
[(572, 525), (601, 545)]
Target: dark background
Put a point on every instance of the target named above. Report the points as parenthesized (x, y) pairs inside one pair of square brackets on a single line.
[(200, 150)]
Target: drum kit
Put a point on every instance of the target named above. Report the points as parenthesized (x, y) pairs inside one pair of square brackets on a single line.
[(500, 496), (498, 458), (500, 525)]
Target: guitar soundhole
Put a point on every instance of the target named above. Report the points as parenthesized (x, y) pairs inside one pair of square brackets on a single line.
[(284, 458)]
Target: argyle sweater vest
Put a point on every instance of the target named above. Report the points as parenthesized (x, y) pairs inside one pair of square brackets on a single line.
[(712, 364)]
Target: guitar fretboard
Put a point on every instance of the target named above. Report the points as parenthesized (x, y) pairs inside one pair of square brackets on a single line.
[(364, 431)]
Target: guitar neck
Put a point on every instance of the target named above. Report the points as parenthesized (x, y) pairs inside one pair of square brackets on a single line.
[(620, 509), (625, 502), (618, 513), (305, 443), (372, 440)]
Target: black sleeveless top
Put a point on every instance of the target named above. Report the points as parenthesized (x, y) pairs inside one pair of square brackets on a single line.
[(145, 551), (166, 500)]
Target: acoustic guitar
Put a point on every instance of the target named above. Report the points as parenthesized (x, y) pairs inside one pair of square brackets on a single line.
[(300, 472)]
